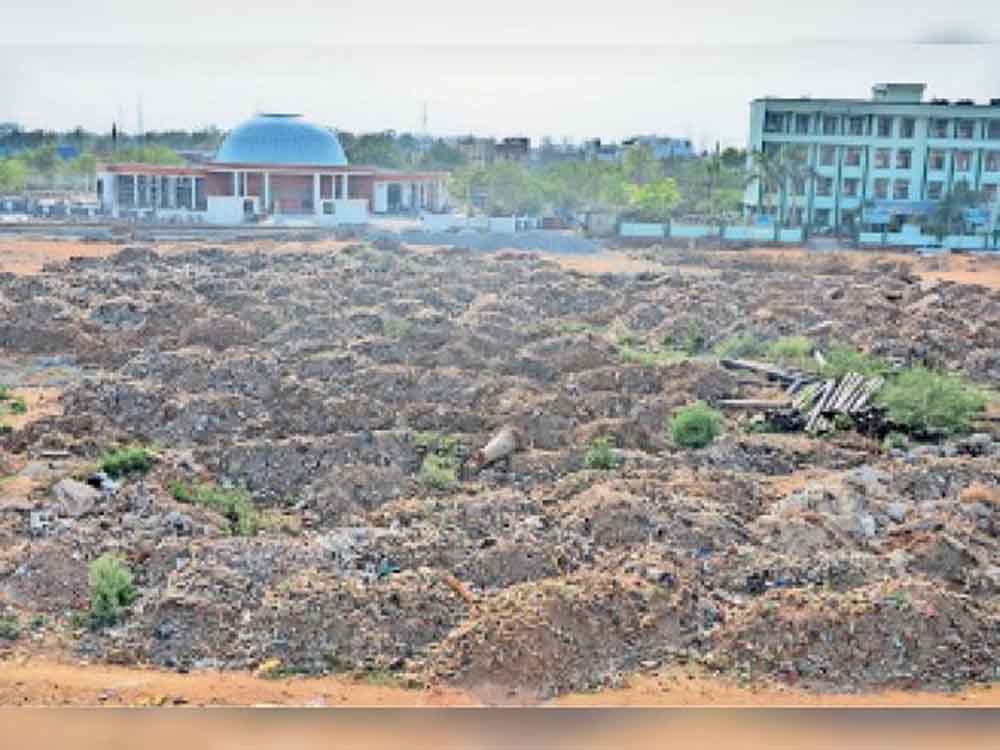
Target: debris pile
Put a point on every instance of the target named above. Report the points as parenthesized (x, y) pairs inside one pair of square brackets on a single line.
[(812, 402)]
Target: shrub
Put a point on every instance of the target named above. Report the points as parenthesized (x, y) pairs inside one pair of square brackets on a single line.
[(601, 454), (842, 359), (111, 590), (235, 504), (895, 440), (928, 403), (10, 628), (795, 351), (132, 460), (694, 339), (396, 327), (439, 472), (650, 358), (741, 345), (695, 426)]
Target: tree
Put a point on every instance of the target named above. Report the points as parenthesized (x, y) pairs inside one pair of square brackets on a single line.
[(84, 166), (640, 166), (772, 172), (13, 175), (442, 156), (151, 154), (654, 201), (949, 214)]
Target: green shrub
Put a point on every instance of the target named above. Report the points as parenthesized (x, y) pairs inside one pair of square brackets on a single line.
[(10, 403), (601, 454), (695, 426), (111, 590), (842, 359), (895, 440), (132, 460), (653, 358), (694, 339), (928, 403), (740, 346), (235, 504), (10, 628), (439, 472), (794, 351), (396, 328)]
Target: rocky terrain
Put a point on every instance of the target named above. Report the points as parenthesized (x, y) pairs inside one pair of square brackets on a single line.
[(320, 383)]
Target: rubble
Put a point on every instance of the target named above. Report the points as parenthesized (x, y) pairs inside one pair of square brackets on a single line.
[(276, 372)]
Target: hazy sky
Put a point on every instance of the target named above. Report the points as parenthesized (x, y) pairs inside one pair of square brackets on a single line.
[(514, 68)]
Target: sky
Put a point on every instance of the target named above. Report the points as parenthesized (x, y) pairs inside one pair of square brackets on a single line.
[(684, 68)]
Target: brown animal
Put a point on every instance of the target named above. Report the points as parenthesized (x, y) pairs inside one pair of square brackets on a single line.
[(500, 447)]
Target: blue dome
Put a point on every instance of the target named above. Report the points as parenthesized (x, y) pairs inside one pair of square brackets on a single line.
[(281, 139)]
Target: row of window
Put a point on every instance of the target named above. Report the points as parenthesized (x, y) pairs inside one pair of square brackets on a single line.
[(851, 188), (882, 126), (142, 191), (882, 158)]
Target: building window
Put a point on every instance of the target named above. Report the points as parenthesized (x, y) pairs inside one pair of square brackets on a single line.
[(881, 186), (907, 127), (774, 122), (851, 187), (993, 161), (182, 191), (990, 192), (993, 130), (934, 190), (882, 156), (823, 216), (852, 157), (826, 156), (329, 208), (126, 190), (963, 161), (802, 124), (935, 160), (903, 158), (772, 149), (939, 128), (824, 187), (901, 190), (884, 127), (856, 125), (830, 124), (966, 129)]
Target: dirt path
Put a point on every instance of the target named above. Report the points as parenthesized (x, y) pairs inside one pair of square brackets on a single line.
[(38, 681)]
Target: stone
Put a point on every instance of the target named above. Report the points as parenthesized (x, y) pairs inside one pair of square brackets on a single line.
[(897, 511), (74, 499), (977, 444)]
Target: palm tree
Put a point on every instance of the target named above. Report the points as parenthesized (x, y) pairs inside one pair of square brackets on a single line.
[(775, 171), (950, 210)]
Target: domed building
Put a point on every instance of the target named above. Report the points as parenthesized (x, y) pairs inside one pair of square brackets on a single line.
[(275, 168)]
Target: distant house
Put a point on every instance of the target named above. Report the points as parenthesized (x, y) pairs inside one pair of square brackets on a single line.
[(67, 152), (513, 149), (663, 147)]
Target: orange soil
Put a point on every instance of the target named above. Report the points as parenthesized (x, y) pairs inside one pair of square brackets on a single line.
[(36, 681)]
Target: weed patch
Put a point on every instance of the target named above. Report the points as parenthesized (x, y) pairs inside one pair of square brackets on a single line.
[(601, 454), (235, 504), (125, 461), (111, 590), (695, 426)]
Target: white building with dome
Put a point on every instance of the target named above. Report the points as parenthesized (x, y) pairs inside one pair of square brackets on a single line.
[(275, 168)]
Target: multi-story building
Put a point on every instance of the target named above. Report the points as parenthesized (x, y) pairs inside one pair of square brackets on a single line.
[(878, 160)]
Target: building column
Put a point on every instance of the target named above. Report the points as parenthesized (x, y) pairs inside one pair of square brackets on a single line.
[(194, 193), (316, 200), (267, 193), (236, 185), (346, 194), (135, 191)]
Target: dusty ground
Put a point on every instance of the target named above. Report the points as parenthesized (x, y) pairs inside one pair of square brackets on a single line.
[(40, 682), (319, 376)]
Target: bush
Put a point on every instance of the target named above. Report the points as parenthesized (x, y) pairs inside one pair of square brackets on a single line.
[(132, 460), (601, 454), (794, 351), (842, 359), (396, 327), (694, 339), (111, 590), (653, 358), (741, 345), (11, 403), (695, 426), (10, 628), (235, 504), (439, 472), (895, 440), (928, 403)]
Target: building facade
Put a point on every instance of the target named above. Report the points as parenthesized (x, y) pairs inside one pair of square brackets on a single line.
[(274, 168), (881, 161)]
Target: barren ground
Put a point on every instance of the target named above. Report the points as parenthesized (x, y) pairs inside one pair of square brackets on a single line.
[(762, 570)]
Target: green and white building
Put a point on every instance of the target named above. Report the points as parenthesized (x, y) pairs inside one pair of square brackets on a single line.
[(881, 162)]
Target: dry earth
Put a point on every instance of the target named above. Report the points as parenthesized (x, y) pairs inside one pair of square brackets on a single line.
[(313, 375)]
